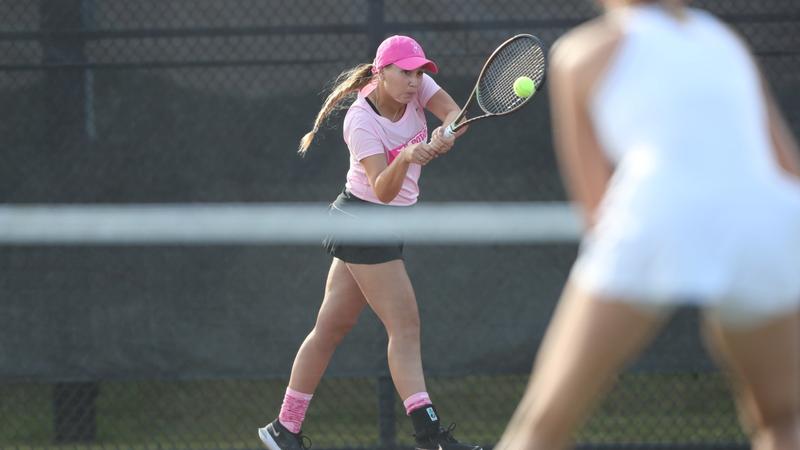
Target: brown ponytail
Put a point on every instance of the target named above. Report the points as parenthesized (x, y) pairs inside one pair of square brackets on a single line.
[(346, 83)]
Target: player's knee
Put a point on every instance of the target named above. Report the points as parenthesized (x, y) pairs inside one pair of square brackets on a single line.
[(778, 431), (779, 418), (406, 329), (333, 333), (782, 408)]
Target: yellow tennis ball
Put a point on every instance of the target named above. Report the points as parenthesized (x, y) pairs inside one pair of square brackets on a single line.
[(524, 87)]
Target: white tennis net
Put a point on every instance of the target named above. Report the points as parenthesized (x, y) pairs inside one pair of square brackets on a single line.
[(284, 223)]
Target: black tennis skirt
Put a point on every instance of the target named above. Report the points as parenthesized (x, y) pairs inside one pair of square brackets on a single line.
[(359, 253)]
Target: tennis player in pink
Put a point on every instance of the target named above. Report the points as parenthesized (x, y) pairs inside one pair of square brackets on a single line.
[(386, 132)]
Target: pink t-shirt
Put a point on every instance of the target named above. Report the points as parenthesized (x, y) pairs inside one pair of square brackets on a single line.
[(367, 133)]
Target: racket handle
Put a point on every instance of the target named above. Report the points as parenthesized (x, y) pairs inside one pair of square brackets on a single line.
[(449, 132)]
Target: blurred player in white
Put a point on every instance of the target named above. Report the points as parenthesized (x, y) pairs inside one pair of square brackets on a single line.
[(671, 144)]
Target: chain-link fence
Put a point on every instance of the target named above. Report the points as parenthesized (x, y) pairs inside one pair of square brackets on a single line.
[(112, 101)]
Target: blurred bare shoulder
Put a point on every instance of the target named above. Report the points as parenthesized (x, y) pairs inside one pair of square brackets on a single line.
[(586, 48)]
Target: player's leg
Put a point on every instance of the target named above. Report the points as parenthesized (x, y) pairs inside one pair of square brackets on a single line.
[(764, 364), (389, 292), (586, 344), (341, 306)]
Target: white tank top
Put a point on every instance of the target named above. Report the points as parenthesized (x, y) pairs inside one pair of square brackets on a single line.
[(681, 102), (697, 206)]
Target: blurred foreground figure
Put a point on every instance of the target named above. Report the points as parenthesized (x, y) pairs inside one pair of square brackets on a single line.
[(673, 148)]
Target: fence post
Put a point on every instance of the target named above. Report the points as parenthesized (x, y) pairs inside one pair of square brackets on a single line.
[(70, 127), (70, 121), (387, 430), (74, 412), (375, 26)]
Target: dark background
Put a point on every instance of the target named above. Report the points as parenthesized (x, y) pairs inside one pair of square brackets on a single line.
[(178, 101)]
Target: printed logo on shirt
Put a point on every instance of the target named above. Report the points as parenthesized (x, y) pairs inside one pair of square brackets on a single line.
[(421, 136)]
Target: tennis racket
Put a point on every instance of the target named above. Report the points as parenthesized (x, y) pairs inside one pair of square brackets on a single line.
[(520, 56)]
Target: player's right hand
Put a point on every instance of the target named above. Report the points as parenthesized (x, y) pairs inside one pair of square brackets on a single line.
[(440, 143)]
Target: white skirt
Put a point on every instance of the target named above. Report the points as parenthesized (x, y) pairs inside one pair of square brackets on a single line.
[(734, 252)]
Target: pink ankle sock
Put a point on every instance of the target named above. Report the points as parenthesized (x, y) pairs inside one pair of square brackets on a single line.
[(293, 409), (416, 401)]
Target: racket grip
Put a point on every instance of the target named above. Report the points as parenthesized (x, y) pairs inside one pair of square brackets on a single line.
[(449, 132)]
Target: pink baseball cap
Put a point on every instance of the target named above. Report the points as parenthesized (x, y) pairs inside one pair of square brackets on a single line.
[(403, 52)]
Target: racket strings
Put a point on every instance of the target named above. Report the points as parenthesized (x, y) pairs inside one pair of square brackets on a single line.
[(520, 57)]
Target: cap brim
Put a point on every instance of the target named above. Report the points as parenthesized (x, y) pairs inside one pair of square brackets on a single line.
[(416, 62)]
